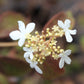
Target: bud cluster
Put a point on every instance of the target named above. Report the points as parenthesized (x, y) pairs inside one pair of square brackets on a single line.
[(39, 46), (45, 45)]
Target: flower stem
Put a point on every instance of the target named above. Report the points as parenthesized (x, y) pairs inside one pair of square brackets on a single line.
[(8, 44)]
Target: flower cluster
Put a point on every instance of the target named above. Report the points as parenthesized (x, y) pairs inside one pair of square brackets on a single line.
[(39, 46)]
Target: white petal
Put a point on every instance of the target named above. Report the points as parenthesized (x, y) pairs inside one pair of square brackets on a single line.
[(28, 60), (21, 41), (38, 69), (67, 52), (61, 63), (30, 27), (26, 49), (15, 35), (31, 56), (61, 24), (67, 60), (32, 65), (68, 37), (73, 32), (21, 26), (67, 23), (27, 54), (61, 54)]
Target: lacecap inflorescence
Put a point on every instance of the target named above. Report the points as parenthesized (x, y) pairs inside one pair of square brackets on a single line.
[(38, 46)]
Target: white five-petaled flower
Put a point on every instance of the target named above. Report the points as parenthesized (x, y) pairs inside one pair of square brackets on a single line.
[(64, 58), (65, 26), (21, 35), (28, 57)]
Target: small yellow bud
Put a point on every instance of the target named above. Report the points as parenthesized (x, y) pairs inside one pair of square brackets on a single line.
[(27, 45), (29, 41), (50, 34), (49, 53), (58, 51), (47, 29), (58, 47), (32, 44), (41, 36), (54, 47), (50, 44), (39, 44), (38, 60), (56, 34), (36, 32), (41, 40), (47, 35), (43, 57), (40, 49), (56, 56), (41, 62), (61, 50), (61, 35), (36, 55), (55, 50), (46, 48), (52, 55)]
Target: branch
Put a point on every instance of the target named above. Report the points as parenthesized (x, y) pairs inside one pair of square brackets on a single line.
[(8, 44)]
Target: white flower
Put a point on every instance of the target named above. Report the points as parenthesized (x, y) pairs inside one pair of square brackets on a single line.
[(34, 65), (65, 26), (15, 35), (64, 58), (28, 57), (28, 53)]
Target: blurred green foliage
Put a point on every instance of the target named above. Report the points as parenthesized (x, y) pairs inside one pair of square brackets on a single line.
[(74, 68), (3, 79)]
